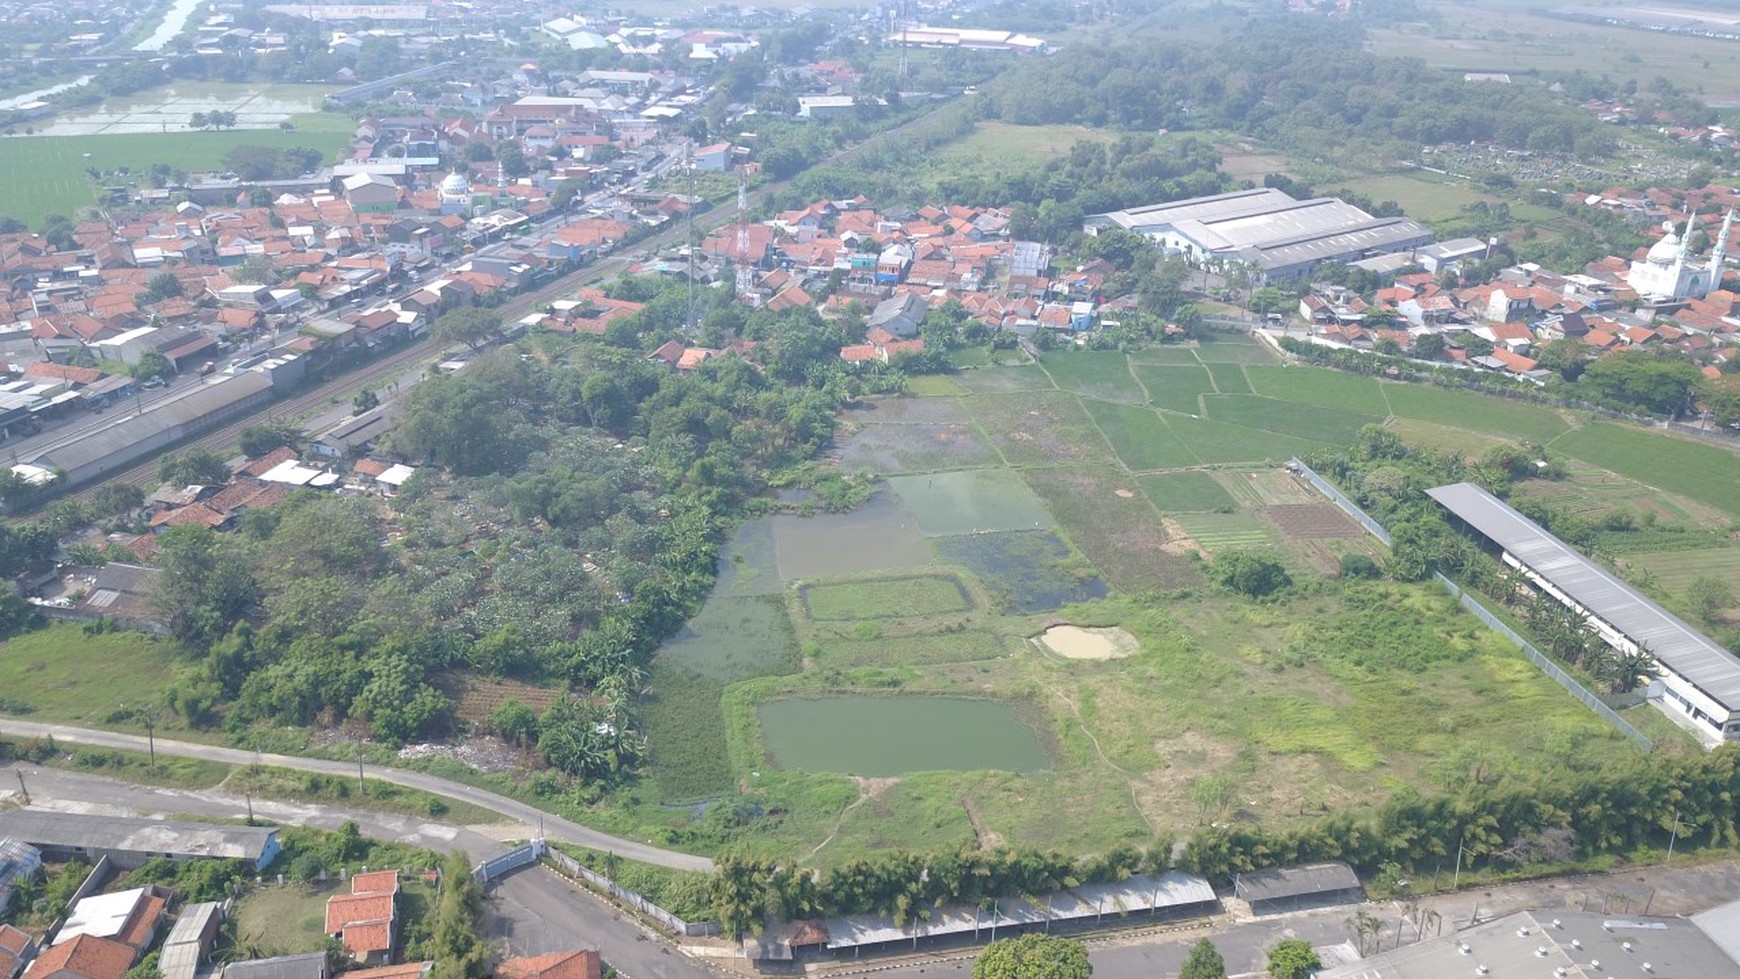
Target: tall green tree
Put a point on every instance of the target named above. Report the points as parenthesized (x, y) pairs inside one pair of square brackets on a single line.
[(1203, 962), (1033, 956), (1293, 958)]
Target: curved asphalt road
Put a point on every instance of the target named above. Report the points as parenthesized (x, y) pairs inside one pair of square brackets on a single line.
[(555, 827)]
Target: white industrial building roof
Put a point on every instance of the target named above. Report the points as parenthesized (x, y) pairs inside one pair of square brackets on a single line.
[(1268, 228), (100, 915), (1689, 653)]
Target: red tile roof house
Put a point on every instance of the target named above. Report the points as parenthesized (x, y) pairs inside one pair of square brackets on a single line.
[(366, 920), (573, 964), (83, 957)]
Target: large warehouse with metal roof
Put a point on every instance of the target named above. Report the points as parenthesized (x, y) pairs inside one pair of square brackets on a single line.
[(1282, 238), (1700, 679)]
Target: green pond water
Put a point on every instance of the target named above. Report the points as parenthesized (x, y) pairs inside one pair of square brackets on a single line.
[(882, 736)]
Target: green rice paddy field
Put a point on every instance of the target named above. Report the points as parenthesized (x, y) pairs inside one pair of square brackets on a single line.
[(46, 174)]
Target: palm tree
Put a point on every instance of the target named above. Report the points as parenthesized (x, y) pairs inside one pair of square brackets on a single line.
[(1632, 670)]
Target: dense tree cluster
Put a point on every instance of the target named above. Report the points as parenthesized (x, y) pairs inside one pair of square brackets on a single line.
[(1302, 82), (564, 524)]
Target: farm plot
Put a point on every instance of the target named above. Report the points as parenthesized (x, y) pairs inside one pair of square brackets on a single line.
[(478, 699), (913, 596), (1336, 426), (1025, 572), (1101, 374), (1186, 492), (877, 648), (1140, 437), (1176, 388), (1702, 472), (1234, 348), (1119, 531), (1217, 532), (1302, 384), (1676, 570), (972, 501), (284, 920), (1592, 492), (915, 448), (749, 562), (1474, 411), (1229, 378), (1039, 428), (1028, 377), (1219, 442), (1166, 356), (931, 410), (878, 536), (1312, 521), (733, 638)]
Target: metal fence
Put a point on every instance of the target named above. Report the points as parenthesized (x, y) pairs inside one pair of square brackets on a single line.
[(1547, 666), (1481, 612), (510, 861), (671, 922), (1336, 497)]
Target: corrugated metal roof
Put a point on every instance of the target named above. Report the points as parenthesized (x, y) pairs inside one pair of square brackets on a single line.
[(123, 436), (1282, 882), (1172, 889), (1679, 647)]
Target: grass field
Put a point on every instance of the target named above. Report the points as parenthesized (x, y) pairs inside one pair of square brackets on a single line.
[(1223, 442), (1336, 426), (284, 920), (60, 672), (1324, 388), (1176, 388), (1424, 196), (885, 598), (1702, 472), (1005, 144), (1141, 438), (1476, 412), (1186, 492), (1101, 374), (1467, 37), (47, 173), (1230, 378)]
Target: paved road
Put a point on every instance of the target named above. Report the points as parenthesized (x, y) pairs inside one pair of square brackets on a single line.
[(555, 827), (530, 912)]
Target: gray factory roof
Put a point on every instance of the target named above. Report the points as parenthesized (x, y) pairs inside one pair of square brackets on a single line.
[(1679, 647), (1267, 227), (1283, 882), (308, 965), (86, 832), (128, 430), (1358, 239), (1556, 943), (1220, 207)]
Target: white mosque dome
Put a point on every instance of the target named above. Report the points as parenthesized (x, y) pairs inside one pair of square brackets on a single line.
[(457, 186), (1663, 252)]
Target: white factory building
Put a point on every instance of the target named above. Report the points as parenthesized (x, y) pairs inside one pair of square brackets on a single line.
[(1278, 237)]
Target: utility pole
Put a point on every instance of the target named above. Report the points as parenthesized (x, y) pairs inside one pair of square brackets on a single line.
[(24, 791), (361, 787)]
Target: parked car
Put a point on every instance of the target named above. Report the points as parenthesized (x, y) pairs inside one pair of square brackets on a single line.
[(207, 367)]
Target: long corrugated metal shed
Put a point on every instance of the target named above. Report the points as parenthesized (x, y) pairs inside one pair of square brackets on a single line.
[(1172, 889), (1686, 651), (1284, 882)]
